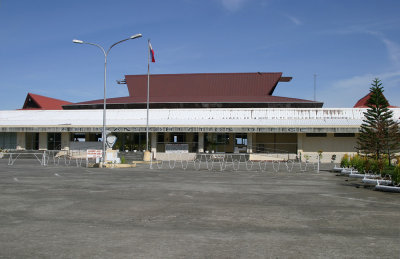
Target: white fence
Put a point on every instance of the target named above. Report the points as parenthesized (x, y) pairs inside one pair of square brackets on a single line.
[(230, 162)]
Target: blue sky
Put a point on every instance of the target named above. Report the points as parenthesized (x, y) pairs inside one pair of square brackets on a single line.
[(347, 43)]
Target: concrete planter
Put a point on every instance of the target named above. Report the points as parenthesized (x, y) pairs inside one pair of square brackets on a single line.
[(348, 171), (370, 181), (356, 175), (120, 165), (386, 188), (338, 169)]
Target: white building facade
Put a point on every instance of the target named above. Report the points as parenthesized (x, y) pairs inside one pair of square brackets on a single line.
[(290, 132)]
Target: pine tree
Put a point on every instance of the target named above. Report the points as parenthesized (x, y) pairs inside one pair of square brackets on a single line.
[(379, 133)]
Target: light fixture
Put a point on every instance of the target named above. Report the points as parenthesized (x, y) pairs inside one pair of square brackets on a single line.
[(135, 36)]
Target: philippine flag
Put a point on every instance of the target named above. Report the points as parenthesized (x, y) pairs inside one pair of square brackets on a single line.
[(151, 53)]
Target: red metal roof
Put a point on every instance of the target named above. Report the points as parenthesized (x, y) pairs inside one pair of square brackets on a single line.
[(212, 87), (218, 88), (35, 101), (203, 88), (229, 99), (362, 103)]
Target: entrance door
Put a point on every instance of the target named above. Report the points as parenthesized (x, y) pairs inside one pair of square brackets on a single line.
[(32, 141)]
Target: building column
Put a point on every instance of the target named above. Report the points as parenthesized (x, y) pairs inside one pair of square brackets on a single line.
[(249, 143), (300, 150), (43, 141), (21, 141), (153, 148), (65, 140), (201, 143)]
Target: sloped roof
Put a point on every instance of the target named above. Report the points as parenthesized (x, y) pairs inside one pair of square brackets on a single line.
[(39, 102), (362, 103), (207, 87), (236, 89), (171, 99)]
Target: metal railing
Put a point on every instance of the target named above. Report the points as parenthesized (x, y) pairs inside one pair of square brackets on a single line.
[(50, 157), (230, 162)]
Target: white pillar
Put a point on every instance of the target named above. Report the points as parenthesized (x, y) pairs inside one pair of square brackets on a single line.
[(154, 143), (21, 140), (249, 143), (65, 140), (300, 151), (43, 141), (201, 143)]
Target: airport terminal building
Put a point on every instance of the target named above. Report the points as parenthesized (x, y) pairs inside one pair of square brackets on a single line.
[(190, 113)]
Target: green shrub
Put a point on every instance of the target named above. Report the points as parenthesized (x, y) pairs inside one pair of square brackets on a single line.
[(374, 166), (396, 175), (123, 161), (357, 162), (393, 172), (345, 162), (367, 164)]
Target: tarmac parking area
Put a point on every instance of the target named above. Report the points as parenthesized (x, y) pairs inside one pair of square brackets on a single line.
[(71, 212)]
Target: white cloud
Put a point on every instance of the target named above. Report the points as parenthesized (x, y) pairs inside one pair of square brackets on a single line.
[(393, 51), (232, 5), (346, 92), (392, 48), (294, 20)]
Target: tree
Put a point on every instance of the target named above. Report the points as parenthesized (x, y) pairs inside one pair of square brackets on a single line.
[(379, 133)]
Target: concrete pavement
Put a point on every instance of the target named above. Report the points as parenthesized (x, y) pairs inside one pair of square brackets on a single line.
[(70, 212)]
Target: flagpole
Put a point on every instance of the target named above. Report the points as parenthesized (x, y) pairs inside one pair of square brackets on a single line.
[(148, 95)]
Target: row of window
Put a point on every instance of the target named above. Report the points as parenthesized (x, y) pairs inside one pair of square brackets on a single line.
[(339, 135), (8, 140), (53, 141)]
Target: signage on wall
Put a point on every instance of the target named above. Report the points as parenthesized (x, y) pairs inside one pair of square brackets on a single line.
[(186, 129)]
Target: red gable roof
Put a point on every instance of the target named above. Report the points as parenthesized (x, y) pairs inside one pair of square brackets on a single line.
[(362, 103), (35, 101), (233, 99), (209, 88), (212, 87)]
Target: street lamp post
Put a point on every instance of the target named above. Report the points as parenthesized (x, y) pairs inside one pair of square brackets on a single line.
[(104, 134)]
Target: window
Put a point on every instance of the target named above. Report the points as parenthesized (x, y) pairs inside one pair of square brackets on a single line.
[(8, 140), (196, 137), (345, 135), (78, 137), (53, 141), (32, 141), (160, 137), (241, 139), (178, 137), (222, 138), (315, 134)]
